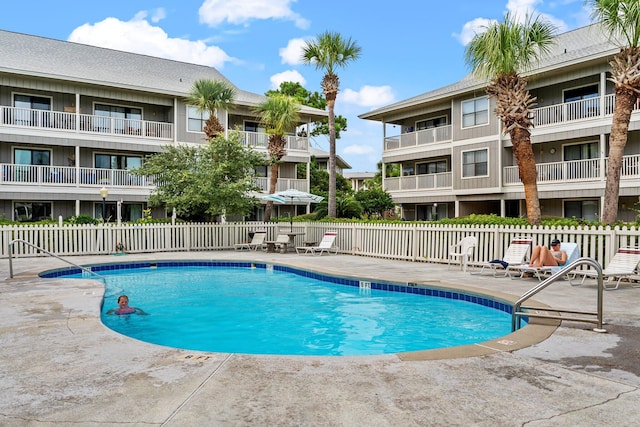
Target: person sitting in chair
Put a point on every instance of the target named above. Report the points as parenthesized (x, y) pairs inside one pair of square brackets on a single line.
[(542, 256)]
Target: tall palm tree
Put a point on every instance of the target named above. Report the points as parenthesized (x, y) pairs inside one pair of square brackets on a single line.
[(209, 96), (621, 20), (328, 52), (500, 54), (279, 114)]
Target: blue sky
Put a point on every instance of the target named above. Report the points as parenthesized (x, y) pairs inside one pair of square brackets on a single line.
[(408, 47)]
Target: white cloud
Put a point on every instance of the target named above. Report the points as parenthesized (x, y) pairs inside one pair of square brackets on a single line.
[(158, 15), (518, 9), (292, 54), (471, 28), (368, 96), (286, 76), (240, 12), (357, 149), (138, 36)]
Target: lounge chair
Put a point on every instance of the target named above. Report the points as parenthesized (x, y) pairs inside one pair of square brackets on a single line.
[(463, 250), (256, 242), (514, 256), (623, 264), (573, 253), (325, 245), (280, 244)]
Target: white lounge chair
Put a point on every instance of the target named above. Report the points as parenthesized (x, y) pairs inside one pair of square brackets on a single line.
[(463, 250), (256, 242), (573, 253), (623, 264), (280, 244), (514, 256), (325, 245)]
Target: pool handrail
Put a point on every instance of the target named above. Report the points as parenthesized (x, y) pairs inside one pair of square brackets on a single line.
[(51, 254), (518, 308)]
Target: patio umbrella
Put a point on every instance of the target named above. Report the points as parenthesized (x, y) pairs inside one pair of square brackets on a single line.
[(292, 196)]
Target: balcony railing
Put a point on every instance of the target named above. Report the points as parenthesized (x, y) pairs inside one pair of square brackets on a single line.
[(575, 170), (71, 176), (83, 123), (261, 140), (421, 137), (284, 184), (432, 181)]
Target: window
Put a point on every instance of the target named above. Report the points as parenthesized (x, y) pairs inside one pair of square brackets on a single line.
[(23, 156), (475, 163), (432, 167), (407, 170), (253, 127), (431, 123), (585, 209), (128, 212), (25, 116), (261, 171), (117, 161), (580, 93), (196, 120), (475, 112), (125, 119), (31, 211), (585, 151)]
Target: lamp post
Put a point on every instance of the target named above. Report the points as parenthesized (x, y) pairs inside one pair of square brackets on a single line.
[(104, 192), (435, 212)]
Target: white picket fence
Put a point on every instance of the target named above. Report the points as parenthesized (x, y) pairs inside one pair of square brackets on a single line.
[(409, 242)]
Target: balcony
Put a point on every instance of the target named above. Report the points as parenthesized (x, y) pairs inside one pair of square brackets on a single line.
[(283, 184), (59, 121), (71, 176), (419, 138), (574, 171), (261, 140), (432, 181)]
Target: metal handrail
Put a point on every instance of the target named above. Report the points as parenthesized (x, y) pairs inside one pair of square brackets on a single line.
[(517, 313), (87, 270)]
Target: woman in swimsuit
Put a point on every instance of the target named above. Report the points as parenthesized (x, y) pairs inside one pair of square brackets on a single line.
[(123, 307), (542, 256)]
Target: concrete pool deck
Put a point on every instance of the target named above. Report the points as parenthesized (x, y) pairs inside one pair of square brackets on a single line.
[(61, 366)]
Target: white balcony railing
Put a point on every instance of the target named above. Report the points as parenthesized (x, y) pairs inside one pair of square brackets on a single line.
[(261, 140), (83, 123), (283, 184), (71, 176), (432, 181), (421, 137), (575, 171)]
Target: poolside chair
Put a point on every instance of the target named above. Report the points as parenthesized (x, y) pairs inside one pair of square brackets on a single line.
[(573, 253), (514, 256), (325, 245), (282, 243), (623, 264), (463, 250), (256, 242)]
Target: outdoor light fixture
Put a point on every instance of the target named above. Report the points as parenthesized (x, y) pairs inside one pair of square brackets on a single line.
[(104, 193)]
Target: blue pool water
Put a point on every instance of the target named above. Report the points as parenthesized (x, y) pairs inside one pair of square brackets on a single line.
[(255, 309)]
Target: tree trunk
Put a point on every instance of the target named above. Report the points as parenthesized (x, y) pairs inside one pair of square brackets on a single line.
[(523, 151), (331, 101), (625, 99), (273, 179)]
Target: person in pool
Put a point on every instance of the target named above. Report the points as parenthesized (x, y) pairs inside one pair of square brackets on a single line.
[(123, 307)]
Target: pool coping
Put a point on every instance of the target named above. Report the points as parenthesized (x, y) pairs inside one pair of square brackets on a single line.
[(535, 331)]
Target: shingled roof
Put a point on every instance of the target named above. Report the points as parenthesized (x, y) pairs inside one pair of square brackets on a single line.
[(67, 61), (570, 48)]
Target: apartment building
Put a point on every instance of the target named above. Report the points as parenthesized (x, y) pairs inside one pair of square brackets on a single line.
[(455, 160), (75, 119)]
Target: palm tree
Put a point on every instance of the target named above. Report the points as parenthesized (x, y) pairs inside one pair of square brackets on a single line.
[(278, 114), (621, 20), (329, 51), (500, 54), (208, 96)]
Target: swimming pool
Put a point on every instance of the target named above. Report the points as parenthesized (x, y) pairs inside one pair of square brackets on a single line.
[(274, 309)]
